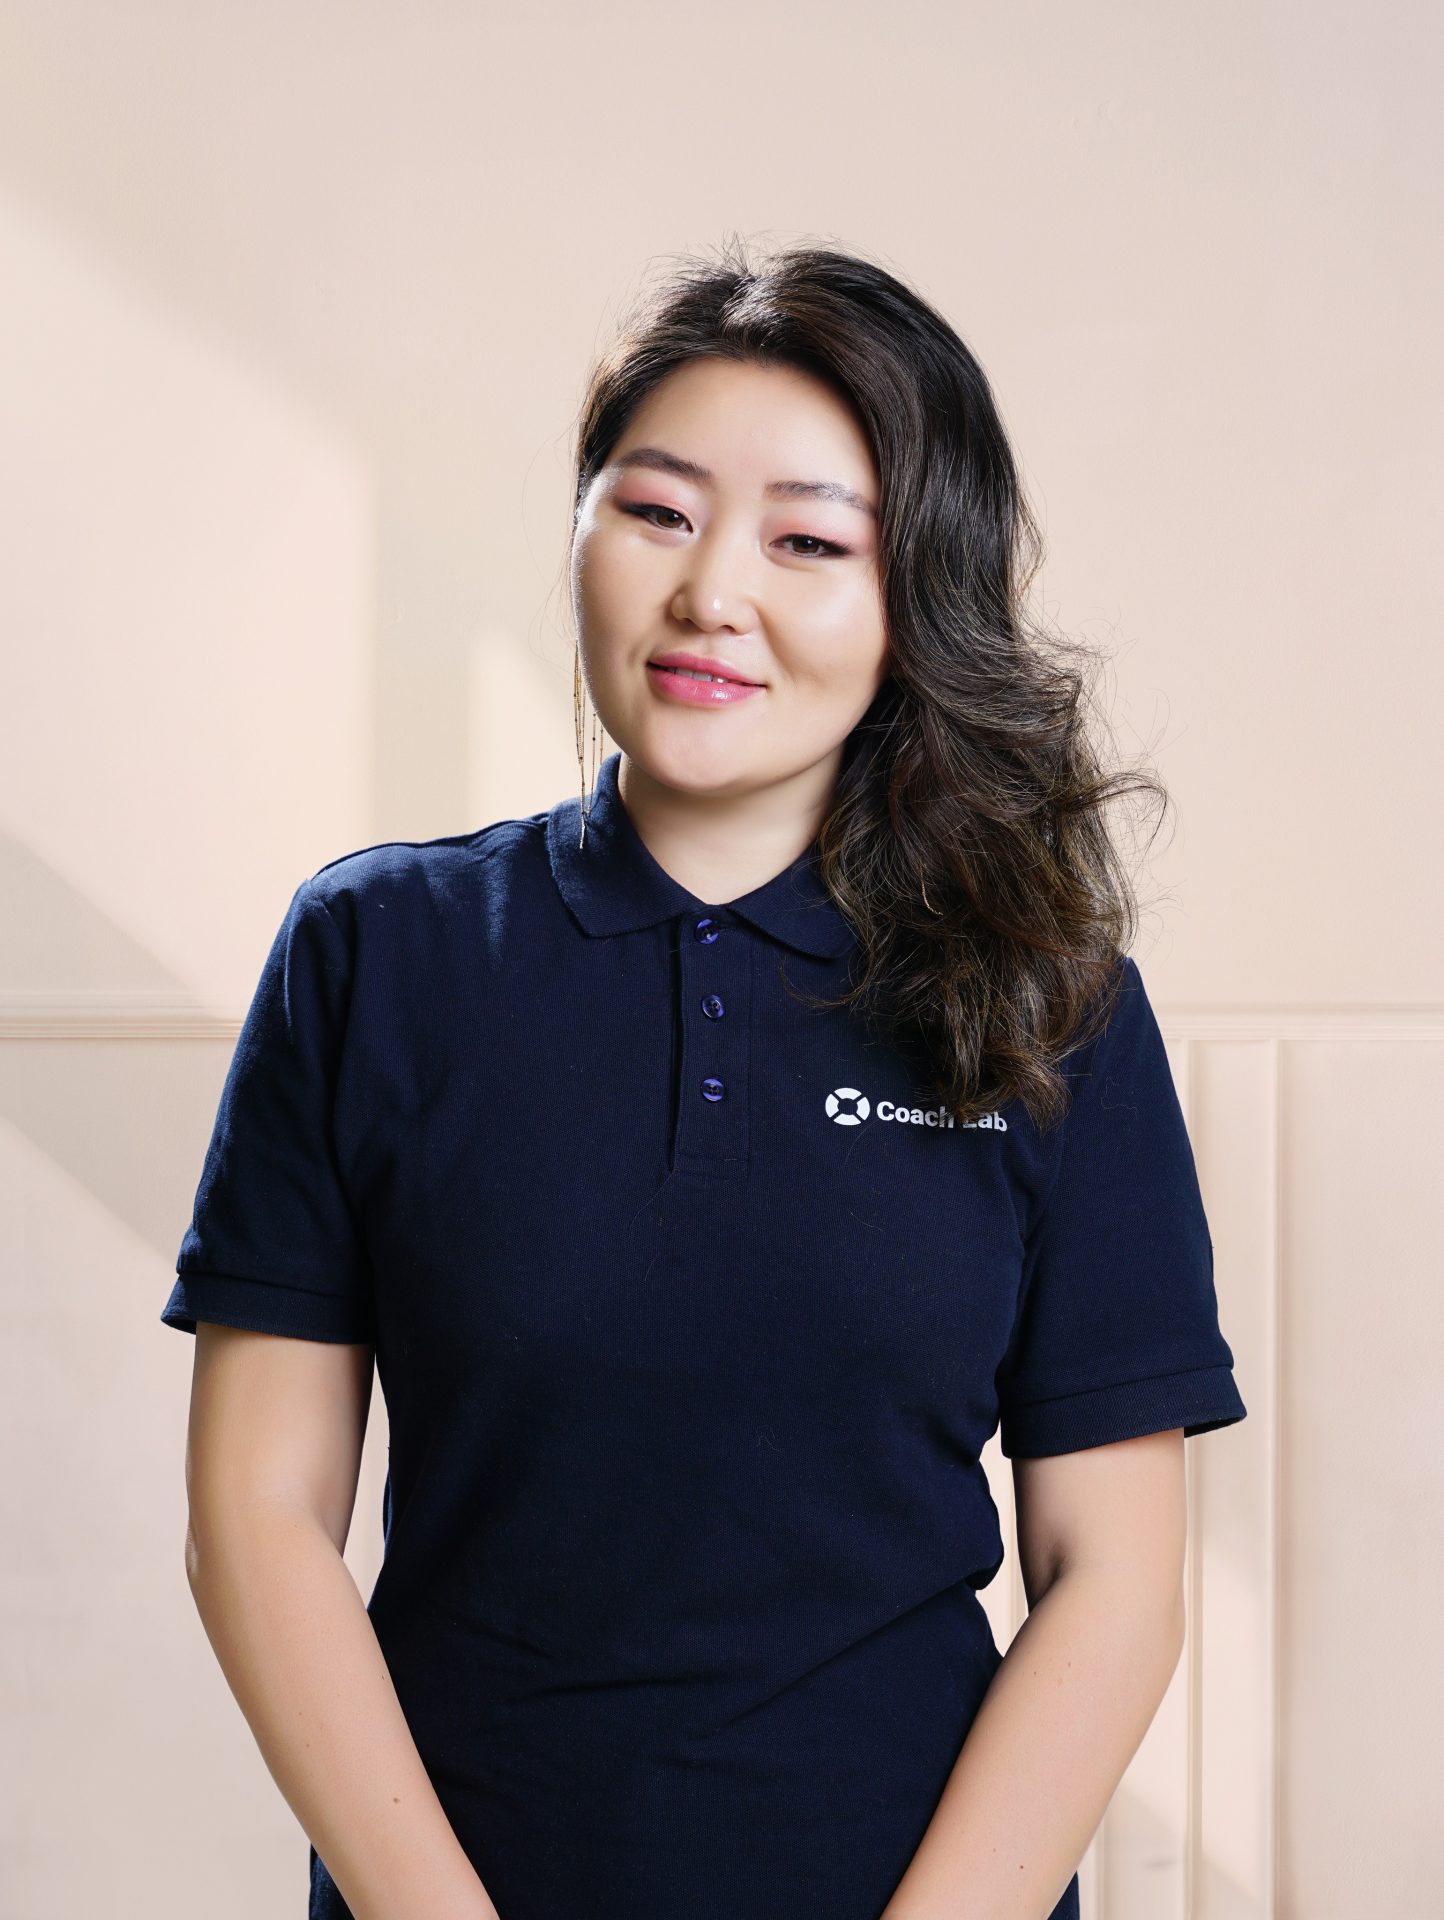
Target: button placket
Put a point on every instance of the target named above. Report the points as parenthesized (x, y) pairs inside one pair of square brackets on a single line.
[(712, 1120)]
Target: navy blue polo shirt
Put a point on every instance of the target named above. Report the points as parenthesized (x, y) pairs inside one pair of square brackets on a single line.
[(692, 1319)]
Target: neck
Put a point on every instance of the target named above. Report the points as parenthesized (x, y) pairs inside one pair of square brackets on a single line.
[(722, 844)]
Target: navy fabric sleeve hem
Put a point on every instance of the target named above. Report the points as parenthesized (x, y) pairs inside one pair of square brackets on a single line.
[(263, 1306), (1199, 1400)]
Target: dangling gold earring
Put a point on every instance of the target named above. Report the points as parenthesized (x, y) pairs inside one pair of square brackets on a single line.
[(588, 783)]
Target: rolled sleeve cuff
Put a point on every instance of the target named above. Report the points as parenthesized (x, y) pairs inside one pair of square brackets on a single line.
[(264, 1306), (1198, 1401)]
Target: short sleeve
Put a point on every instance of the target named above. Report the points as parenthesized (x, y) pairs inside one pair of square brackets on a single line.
[(1117, 1331), (274, 1243)]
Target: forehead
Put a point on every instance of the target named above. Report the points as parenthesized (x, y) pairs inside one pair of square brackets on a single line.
[(748, 425)]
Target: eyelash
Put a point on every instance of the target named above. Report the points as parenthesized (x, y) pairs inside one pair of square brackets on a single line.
[(829, 547)]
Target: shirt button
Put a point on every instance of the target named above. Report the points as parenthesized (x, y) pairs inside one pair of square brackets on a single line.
[(712, 1006), (712, 1089), (706, 930)]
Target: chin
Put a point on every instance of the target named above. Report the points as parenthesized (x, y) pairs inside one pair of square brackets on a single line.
[(698, 759)]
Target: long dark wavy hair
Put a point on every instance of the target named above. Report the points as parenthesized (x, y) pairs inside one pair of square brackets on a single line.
[(967, 843)]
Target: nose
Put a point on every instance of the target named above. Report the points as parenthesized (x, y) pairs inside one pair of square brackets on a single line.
[(712, 593)]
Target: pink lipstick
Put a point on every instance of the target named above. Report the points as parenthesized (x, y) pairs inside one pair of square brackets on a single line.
[(696, 681)]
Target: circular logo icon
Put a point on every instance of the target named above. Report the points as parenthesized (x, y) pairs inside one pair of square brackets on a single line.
[(847, 1107)]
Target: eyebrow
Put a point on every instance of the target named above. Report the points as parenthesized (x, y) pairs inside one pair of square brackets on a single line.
[(777, 489)]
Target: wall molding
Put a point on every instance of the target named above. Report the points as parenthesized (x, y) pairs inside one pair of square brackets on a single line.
[(112, 1016), (74, 1015)]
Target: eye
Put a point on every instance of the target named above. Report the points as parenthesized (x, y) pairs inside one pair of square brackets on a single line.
[(645, 509), (818, 549)]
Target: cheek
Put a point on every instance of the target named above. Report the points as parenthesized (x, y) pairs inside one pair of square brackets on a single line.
[(622, 589), (600, 582), (840, 645)]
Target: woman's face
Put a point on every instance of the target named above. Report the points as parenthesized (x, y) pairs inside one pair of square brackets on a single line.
[(735, 522)]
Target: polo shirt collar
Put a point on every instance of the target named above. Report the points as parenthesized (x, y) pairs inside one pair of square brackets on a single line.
[(614, 885)]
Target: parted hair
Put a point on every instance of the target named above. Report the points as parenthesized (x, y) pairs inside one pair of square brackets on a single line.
[(969, 843)]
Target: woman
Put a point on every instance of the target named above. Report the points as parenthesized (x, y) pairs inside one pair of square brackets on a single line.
[(711, 1163)]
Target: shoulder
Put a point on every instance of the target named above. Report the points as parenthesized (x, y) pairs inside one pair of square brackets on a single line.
[(1130, 1041), (1123, 1108), (488, 867), (1116, 1025), (1115, 1068)]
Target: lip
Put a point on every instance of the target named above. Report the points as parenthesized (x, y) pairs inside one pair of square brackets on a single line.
[(701, 664), (724, 692)]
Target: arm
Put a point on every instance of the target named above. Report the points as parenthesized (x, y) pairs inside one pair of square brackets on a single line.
[(1101, 1537), (272, 1458)]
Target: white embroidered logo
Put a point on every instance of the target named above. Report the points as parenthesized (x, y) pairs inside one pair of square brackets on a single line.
[(847, 1107)]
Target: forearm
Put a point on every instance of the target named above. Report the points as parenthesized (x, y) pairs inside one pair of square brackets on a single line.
[(1067, 1710), (297, 1647)]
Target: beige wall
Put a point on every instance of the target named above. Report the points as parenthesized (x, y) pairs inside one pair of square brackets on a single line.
[(295, 305)]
